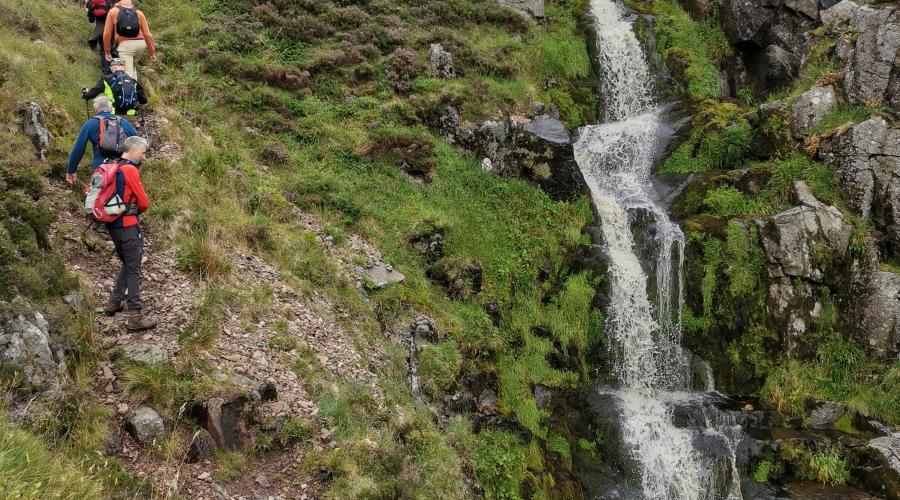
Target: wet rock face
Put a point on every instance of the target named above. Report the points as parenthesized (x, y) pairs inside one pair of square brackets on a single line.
[(35, 127), (769, 37), (866, 158), (26, 346), (871, 64)]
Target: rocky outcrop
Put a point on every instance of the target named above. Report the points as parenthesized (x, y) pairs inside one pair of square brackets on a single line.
[(27, 347), (871, 64), (770, 38), (823, 414), (532, 8), (227, 421), (35, 127), (810, 108), (441, 62), (878, 466), (876, 326), (866, 159), (803, 246), (537, 149)]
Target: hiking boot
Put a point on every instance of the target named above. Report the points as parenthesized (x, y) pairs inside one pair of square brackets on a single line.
[(137, 322), (112, 308)]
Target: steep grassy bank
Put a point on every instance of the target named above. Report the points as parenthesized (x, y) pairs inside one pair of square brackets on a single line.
[(304, 106)]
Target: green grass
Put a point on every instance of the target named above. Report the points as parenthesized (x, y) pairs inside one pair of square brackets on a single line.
[(843, 114), (500, 464), (763, 471), (840, 372), (776, 194), (439, 366), (720, 139), (690, 48), (29, 470)]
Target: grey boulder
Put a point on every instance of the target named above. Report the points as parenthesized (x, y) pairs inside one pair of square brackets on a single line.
[(35, 127), (26, 345), (810, 108), (532, 8), (441, 62), (146, 426)]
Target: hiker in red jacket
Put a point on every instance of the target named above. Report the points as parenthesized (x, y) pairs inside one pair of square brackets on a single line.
[(127, 238)]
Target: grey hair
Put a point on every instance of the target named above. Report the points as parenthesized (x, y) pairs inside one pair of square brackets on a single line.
[(102, 103), (135, 143)]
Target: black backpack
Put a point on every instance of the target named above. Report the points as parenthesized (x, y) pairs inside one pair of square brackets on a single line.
[(127, 23), (124, 91)]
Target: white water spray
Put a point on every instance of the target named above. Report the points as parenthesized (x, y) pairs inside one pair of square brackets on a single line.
[(615, 158)]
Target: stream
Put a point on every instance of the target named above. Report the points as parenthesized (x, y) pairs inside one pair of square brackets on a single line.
[(616, 160)]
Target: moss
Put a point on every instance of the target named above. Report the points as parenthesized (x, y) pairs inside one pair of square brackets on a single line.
[(691, 48), (721, 138)]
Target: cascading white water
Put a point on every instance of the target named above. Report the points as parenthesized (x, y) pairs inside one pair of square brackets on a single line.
[(615, 158)]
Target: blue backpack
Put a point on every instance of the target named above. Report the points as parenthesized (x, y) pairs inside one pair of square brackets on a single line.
[(124, 92)]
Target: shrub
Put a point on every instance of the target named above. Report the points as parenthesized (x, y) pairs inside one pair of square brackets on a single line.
[(411, 149), (763, 470), (402, 66)]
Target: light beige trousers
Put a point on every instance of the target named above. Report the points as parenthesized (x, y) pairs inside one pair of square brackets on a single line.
[(131, 50)]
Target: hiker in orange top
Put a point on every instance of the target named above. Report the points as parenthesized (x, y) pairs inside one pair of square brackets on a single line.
[(132, 35), (127, 238)]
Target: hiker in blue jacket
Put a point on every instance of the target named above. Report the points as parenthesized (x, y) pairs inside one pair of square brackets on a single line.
[(90, 131)]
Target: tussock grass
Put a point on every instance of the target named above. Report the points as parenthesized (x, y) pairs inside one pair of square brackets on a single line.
[(29, 470)]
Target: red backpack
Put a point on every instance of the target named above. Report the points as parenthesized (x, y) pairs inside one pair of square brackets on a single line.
[(99, 8), (101, 201)]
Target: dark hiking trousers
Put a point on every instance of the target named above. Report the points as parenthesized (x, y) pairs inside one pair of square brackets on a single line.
[(96, 43), (129, 244)]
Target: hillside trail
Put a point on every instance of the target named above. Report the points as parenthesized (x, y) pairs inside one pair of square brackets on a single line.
[(252, 349)]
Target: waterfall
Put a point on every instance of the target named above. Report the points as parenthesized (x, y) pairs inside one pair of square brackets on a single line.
[(616, 159)]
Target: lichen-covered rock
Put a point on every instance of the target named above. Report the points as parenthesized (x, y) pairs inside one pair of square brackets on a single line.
[(877, 466), (877, 327), (866, 159), (536, 149), (35, 127), (791, 238), (823, 414), (803, 247), (26, 346), (810, 108), (146, 426), (533, 8), (441, 62), (148, 354), (871, 65)]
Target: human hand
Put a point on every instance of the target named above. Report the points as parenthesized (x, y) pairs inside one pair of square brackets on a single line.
[(154, 59), (108, 57), (70, 178)]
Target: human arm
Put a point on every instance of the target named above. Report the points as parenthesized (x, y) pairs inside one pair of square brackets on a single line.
[(133, 181), (93, 91), (108, 29), (128, 128), (78, 151), (148, 37)]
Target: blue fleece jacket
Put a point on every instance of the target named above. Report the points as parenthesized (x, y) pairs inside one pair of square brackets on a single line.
[(90, 131)]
